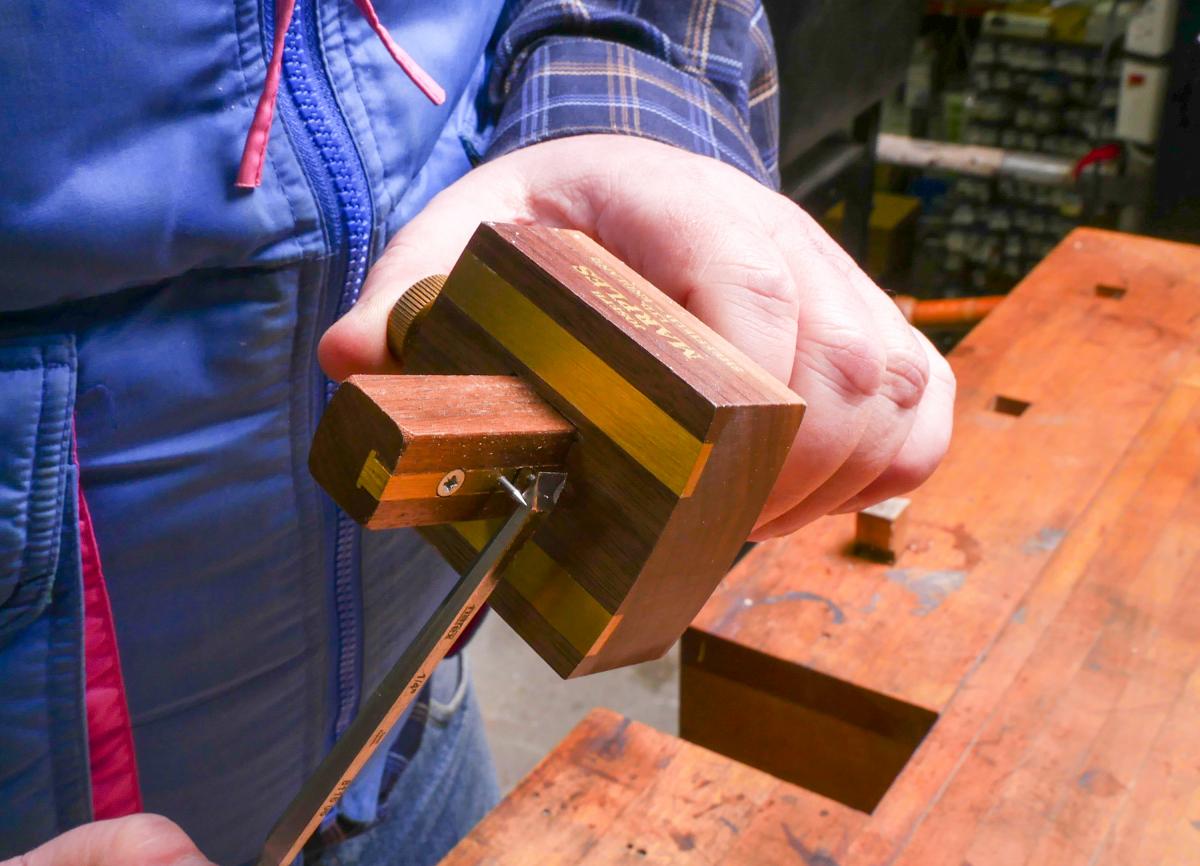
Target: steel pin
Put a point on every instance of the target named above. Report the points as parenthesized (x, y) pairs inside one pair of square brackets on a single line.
[(512, 490)]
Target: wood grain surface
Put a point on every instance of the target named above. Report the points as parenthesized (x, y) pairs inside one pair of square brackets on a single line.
[(1021, 687), (387, 444), (616, 791)]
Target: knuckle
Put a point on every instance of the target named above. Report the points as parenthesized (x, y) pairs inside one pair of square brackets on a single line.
[(907, 376), (852, 363), (766, 277)]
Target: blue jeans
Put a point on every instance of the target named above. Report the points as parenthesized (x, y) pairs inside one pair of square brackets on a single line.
[(449, 786)]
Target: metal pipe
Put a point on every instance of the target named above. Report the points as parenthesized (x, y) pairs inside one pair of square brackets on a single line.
[(975, 160), (946, 312)]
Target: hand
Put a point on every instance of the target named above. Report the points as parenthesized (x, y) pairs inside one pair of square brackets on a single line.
[(136, 840), (748, 262)]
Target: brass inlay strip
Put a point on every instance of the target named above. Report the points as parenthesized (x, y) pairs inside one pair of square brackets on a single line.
[(627, 416), (373, 477), (603, 637), (549, 588), (423, 485)]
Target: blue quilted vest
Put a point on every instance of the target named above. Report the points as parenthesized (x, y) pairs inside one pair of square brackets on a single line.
[(169, 322)]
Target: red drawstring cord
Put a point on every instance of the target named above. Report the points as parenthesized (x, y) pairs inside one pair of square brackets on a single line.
[(412, 69), (254, 153), (250, 171)]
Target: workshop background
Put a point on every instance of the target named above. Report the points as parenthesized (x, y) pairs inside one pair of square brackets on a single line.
[(949, 145)]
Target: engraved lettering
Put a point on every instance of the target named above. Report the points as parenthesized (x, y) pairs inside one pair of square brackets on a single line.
[(591, 276), (644, 319), (649, 314), (415, 685), (462, 620), (336, 795), (641, 313)]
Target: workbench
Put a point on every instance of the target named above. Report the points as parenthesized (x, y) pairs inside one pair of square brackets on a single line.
[(1020, 686)]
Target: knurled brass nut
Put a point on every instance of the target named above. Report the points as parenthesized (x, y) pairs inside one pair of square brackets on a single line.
[(408, 311)]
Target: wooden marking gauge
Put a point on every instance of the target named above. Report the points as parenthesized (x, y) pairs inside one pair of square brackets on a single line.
[(542, 360)]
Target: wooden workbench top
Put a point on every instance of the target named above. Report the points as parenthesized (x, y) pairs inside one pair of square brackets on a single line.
[(1092, 369), (1022, 686), (616, 791)]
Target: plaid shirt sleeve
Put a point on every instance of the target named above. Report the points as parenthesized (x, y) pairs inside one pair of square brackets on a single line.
[(698, 74)]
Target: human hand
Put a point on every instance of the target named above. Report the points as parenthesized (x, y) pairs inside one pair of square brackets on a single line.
[(748, 262), (135, 840)]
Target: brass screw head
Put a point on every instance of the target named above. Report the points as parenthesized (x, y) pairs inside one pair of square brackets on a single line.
[(451, 482)]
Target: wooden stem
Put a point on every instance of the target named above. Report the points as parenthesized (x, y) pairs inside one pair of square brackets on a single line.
[(422, 450)]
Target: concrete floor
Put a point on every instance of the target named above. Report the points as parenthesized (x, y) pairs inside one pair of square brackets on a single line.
[(528, 709)]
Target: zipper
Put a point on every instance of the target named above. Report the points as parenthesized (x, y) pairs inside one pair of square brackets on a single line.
[(331, 162)]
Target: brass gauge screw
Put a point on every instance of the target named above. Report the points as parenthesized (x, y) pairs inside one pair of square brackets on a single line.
[(451, 482)]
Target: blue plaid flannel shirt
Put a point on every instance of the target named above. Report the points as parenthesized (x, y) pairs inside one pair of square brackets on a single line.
[(698, 74)]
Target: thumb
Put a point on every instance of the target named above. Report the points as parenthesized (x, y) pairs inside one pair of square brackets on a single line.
[(429, 244), (135, 840)]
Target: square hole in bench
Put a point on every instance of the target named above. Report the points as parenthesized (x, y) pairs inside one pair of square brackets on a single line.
[(1106, 291), (1009, 405)]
